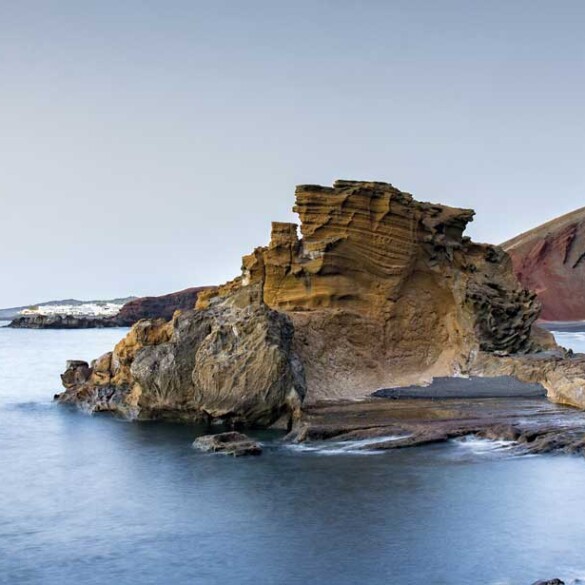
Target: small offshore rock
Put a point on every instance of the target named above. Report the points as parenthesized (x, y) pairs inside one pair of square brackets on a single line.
[(549, 582), (231, 443)]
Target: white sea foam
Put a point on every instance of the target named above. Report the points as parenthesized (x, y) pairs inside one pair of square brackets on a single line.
[(356, 447), (482, 446)]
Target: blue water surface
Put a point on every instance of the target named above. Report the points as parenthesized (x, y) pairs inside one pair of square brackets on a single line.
[(95, 500)]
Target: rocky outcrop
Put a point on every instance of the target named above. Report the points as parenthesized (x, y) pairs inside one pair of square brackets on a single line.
[(229, 362), (526, 425), (378, 291), (386, 291), (550, 260), (231, 443), (62, 322)]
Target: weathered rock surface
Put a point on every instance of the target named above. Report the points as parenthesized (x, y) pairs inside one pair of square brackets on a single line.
[(227, 362), (527, 425), (386, 291), (550, 260), (381, 291), (231, 443)]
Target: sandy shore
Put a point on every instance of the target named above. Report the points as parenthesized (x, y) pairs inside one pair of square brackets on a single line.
[(473, 387)]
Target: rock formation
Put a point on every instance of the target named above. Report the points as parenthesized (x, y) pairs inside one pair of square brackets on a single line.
[(62, 322), (385, 291), (231, 443), (379, 291), (228, 362), (550, 260)]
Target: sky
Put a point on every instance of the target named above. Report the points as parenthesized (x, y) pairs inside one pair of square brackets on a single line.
[(145, 146)]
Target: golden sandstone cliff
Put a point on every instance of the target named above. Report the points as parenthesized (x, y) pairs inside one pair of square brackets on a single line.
[(378, 290)]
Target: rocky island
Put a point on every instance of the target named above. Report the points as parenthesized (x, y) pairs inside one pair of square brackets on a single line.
[(379, 291)]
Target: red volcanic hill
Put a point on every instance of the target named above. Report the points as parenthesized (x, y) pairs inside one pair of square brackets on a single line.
[(550, 260)]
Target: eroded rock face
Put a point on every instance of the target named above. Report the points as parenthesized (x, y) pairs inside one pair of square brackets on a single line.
[(384, 290), (550, 260), (227, 362), (379, 291)]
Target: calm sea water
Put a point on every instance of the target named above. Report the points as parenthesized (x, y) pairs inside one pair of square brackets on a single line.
[(93, 500)]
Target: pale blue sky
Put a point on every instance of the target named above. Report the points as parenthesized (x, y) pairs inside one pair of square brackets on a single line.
[(146, 145)]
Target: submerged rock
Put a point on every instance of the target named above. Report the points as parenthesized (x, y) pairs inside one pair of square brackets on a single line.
[(232, 443)]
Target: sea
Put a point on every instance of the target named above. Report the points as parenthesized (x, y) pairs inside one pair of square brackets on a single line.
[(97, 500)]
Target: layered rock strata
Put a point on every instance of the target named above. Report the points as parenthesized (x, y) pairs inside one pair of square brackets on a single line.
[(386, 291), (527, 425), (378, 291), (550, 260)]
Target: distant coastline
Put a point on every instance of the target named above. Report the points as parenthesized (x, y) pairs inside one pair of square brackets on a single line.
[(124, 312)]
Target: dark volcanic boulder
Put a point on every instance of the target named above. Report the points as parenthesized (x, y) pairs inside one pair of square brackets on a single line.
[(232, 443)]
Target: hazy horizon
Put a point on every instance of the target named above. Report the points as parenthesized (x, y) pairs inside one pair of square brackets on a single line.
[(147, 146)]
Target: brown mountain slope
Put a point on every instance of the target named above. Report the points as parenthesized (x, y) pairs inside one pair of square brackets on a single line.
[(161, 307), (550, 260)]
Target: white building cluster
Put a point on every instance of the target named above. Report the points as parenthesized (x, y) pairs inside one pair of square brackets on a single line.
[(83, 310)]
